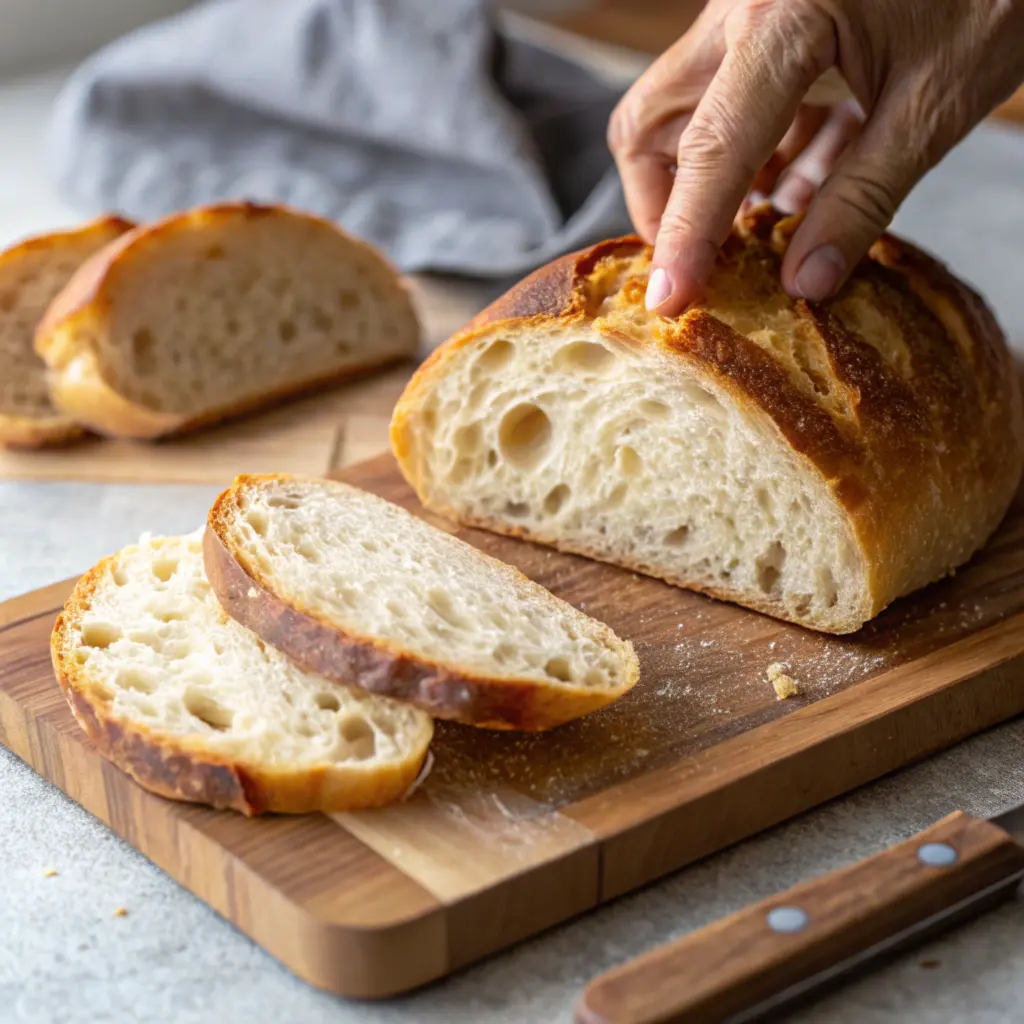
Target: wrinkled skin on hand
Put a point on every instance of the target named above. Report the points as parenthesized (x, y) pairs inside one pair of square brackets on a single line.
[(725, 112)]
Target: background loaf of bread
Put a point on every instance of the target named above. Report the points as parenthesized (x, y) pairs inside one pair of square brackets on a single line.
[(218, 311), (814, 462)]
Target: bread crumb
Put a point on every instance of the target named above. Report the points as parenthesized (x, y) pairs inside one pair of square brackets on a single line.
[(929, 964), (49, 872), (785, 685), (121, 912)]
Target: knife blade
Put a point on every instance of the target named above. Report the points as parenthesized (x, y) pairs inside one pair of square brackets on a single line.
[(781, 951)]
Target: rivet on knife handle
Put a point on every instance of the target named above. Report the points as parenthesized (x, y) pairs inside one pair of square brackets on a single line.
[(743, 964)]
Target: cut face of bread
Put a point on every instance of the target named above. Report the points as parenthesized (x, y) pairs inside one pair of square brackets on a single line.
[(813, 463), (359, 590), (218, 311), (195, 707), (31, 274)]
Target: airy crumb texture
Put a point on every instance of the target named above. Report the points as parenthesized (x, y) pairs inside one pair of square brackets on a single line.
[(811, 462), (195, 707), (218, 311), (362, 591), (785, 685), (31, 275)]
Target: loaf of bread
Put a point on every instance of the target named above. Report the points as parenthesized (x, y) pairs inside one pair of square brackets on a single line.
[(358, 590), (215, 312), (813, 462), (31, 274), (195, 707)]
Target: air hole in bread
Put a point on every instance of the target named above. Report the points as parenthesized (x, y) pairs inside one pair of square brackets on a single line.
[(827, 587), (556, 498), (495, 356), (147, 638), (558, 668), (284, 501), (462, 468), (144, 351), (503, 653), (232, 327), (258, 519), (100, 634), (398, 610), (348, 299), (595, 677), (652, 409), (678, 537), (7, 301), (618, 495), (321, 321), (525, 435), (517, 509), (202, 706), (764, 500), (631, 463), (164, 568), (703, 399), (444, 608), (359, 736), (308, 550), (102, 690), (214, 252), (135, 679), (769, 567), (468, 439), (328, 702), (81, 656), (584, 357), (371, 546), (286, 331), (170, 615), (342, 348), (492, 458), (119, 576)]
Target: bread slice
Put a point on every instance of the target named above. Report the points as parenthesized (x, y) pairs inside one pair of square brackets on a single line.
[(363, 592), (216, 312), (194, 707), (31, 274), (813, 462)]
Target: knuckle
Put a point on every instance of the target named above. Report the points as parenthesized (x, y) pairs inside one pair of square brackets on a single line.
[(798, 37), (710, 144), (870, 198)]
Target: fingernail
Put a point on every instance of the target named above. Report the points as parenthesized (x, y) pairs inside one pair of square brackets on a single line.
[(820, 273), (659, 288)]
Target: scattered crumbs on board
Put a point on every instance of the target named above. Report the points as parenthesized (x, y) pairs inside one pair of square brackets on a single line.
[(49, 872), (785, 685), (121, 912)]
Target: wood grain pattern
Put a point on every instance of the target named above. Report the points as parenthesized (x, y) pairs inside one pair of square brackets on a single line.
[(513, 833), (739, 962)]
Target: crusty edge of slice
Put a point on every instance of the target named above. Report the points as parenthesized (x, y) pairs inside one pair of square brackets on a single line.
[(173, 767), (26, 432), (375, 665), (78, 312)]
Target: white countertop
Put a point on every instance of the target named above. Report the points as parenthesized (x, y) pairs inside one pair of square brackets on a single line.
[(65, 959)]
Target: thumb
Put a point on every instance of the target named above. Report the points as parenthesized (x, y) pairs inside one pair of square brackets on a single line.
[(854, 206)]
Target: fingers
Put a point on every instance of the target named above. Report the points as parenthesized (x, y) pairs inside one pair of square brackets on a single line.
[(810, 169), (741, 119), (856, 204), (805, 127)]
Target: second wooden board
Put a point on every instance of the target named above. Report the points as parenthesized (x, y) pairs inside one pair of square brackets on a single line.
[(510, 834)]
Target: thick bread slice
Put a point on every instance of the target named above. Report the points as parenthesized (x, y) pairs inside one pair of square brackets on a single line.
[(31, 274), (361, 591), (216, 312), (195, 707), (811, 462)]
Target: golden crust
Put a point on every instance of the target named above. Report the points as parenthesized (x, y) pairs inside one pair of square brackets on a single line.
[(374, 664), (900, 393), (66, 337), (181, 769), (52, 430)]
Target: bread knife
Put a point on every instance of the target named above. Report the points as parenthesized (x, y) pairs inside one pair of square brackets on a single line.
[(776, 953)]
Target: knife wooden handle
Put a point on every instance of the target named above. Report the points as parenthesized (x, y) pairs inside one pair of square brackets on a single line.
[(736, 964)]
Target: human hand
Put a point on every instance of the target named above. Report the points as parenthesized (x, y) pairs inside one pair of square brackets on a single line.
[(724, 111)]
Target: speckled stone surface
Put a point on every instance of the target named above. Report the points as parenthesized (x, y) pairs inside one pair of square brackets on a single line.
[(65, 958)]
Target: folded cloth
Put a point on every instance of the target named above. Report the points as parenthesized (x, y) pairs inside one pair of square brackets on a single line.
[(417, 126)]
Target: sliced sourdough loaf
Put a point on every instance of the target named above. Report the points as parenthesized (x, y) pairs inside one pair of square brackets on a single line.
[(813, 462), (363, 592), (31, 274), (218, 311), (195, 707)]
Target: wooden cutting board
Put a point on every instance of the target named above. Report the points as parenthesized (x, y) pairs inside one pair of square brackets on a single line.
[(512, 834)]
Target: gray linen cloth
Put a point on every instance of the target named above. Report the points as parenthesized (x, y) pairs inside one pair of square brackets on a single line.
[(412, 123)]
